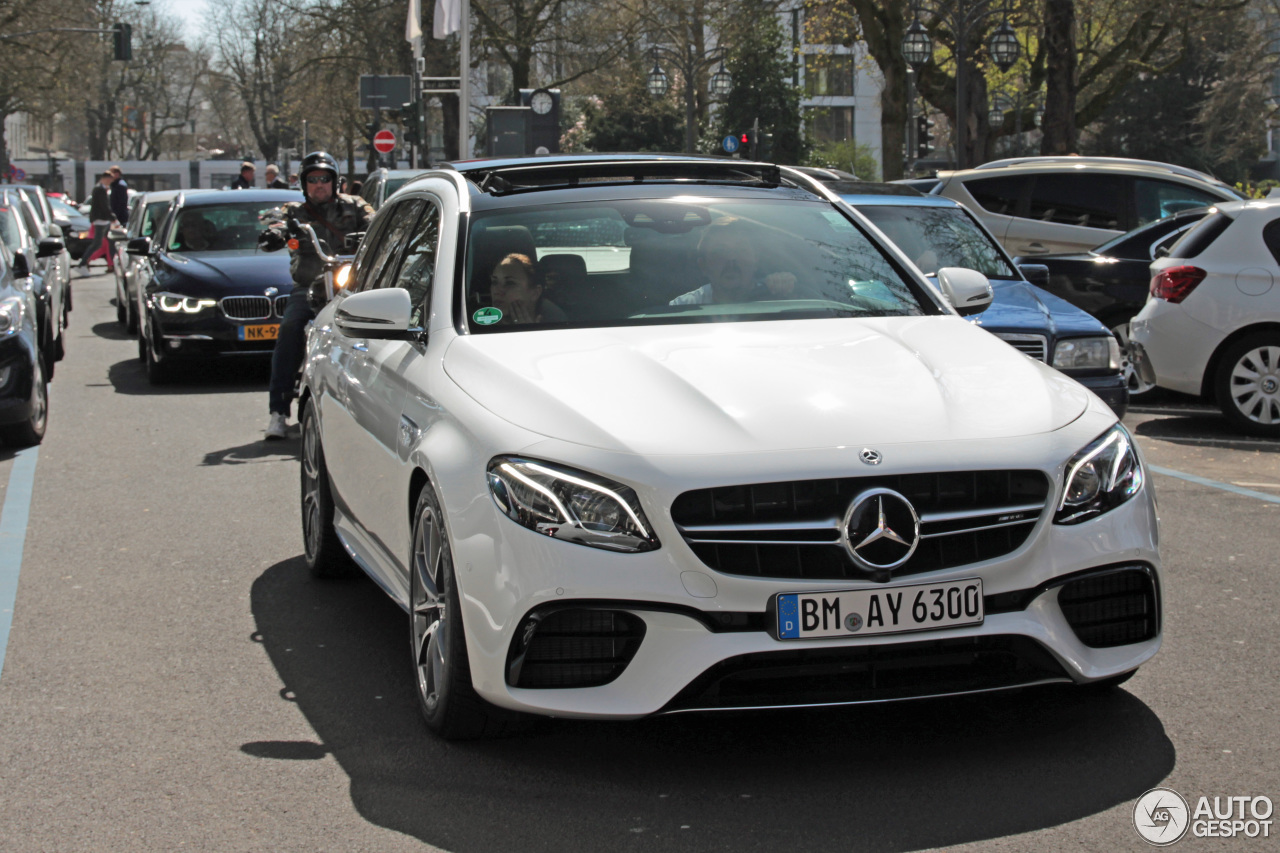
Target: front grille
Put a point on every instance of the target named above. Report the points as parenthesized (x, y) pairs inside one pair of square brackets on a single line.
[(282, 302), (577, 647), (1113, 608), (1036, 346), (246, 307), (869, 673), (792, 529)]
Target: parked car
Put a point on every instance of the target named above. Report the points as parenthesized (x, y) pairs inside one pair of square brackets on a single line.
[(42, 256), (381, 184), (1046, 205), (805, 481), (24, 384), (74, 224), (1111, 281), (212, 293), (147, 211), (924, 185), (1211, 325), (936, 232)]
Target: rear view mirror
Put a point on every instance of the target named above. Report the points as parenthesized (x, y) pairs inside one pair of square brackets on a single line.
[(21, 269), (48, 248), (968, 291), (138, 246)]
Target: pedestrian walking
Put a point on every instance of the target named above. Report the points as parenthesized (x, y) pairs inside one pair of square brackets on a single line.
[(274, 181), (119, 196), (248, 173), (100, 217)]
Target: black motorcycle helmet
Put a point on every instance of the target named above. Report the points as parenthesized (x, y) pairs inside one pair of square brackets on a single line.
[(319, 161)]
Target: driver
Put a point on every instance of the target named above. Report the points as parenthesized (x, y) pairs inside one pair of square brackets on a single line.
[(727, 257), (333, 216), (195, 230)]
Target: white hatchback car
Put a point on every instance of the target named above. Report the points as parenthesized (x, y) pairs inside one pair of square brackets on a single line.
[(1211, 325), (638, 435)]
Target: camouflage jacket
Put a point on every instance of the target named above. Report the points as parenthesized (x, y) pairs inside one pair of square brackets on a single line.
[(332, 221)]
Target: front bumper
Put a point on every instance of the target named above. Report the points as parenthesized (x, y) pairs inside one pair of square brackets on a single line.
[(210, 334), (1112, 388)]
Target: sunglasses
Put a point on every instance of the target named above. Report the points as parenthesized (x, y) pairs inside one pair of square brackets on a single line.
[(319, 179)]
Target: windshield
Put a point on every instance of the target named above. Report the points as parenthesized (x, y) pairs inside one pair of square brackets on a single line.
[(937, 237), (61, 208), (221, 228), (683, 260)]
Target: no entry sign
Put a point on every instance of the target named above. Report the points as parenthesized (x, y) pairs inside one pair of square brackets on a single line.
[(384, 141)]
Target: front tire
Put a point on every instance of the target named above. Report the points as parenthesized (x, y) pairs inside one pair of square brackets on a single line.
[(1248, 384), (448, 701), (1139, 390), (31, 431), (323, 551), (158, 372)]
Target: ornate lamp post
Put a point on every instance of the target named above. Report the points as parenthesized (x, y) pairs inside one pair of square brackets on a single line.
[(962, 16), (690, 65)]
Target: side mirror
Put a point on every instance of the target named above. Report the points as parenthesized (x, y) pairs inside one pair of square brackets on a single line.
[(48, 248), (968, 291), (352, 242), (1037, 274), (21, 269), (138, 246), (379, 314)]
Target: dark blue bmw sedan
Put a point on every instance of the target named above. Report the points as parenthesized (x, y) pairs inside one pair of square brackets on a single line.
[(212, 292), (936, 232)]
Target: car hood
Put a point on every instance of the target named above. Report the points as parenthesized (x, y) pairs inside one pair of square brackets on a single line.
[(216, 274), (765, 386), (1020, 306)]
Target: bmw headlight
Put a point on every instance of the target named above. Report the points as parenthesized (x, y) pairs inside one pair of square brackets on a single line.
[(10, 315), (172, 303), (1100, 477), (1087, 354), (570, 505)]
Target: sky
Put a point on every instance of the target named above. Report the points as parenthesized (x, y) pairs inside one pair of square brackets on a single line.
[(191, 12)]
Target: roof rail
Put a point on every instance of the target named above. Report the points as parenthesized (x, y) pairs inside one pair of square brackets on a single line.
[(1101, 161), (517, 178)]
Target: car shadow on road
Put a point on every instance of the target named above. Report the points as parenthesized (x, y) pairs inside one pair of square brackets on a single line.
[(890, 777), (112, 331), (232, 376), (1204, 429)]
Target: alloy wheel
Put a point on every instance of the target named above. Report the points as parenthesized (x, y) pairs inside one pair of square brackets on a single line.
[(429, 613), (1255, 385), (1131, 377), (312, 508)]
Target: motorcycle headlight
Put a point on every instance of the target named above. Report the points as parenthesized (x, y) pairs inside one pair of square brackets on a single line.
[(172, 303), (1087, 354), (570, 505), (341, 277), (10, 315), (1100, 477)]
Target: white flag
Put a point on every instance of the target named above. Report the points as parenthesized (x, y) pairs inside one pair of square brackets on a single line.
[(412, 29), (448, 18)]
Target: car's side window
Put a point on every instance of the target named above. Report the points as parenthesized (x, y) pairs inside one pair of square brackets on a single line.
[(369, 256), (1158, 199), (1271, 236), (1089, 201), (999, 195), (399, 230), (419, 264)]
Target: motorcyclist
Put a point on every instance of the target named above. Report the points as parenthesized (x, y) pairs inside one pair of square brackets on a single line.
[(333, 216)]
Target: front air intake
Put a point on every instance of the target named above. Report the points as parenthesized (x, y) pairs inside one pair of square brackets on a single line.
[(574, 647), (1112, 608)]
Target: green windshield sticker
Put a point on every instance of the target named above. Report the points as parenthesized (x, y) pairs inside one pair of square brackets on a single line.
[(487, 316)]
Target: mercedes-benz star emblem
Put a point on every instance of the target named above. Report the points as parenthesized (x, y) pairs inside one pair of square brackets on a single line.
[(869, 456), (881, 530)]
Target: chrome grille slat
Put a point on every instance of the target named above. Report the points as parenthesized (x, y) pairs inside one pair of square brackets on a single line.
[(246, 307), (281, 303), (1036, 346)]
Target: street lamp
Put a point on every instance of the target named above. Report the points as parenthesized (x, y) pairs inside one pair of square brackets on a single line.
[(689, 65), (1000, 104), (962, 16)]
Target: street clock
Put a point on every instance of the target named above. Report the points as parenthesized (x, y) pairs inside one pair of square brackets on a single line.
[(541, 102)]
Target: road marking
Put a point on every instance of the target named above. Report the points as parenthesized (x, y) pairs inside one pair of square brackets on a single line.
[(13, 532), (1214, 484)]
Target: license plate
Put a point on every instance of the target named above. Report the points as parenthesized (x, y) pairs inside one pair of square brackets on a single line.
[(260, 333), (889, 610)]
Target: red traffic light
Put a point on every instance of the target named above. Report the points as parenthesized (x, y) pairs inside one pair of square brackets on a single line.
[(746, 139)]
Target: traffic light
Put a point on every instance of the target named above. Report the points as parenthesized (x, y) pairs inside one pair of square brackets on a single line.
[(924, 136), (410, 116), (749, 143), (122, 38)]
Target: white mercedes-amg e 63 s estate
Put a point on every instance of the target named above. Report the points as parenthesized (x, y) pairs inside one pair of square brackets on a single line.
[(632, 435)]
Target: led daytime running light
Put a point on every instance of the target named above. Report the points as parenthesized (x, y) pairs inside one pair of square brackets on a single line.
[(172, 303)]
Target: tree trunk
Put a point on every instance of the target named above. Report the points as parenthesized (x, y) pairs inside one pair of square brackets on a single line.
[(893, 119), (1059, 123)]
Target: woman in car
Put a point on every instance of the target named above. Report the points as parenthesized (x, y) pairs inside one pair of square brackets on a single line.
[(516, 287)]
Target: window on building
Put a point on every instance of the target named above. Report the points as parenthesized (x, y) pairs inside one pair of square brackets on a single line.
[(828, 74), (828, 124)]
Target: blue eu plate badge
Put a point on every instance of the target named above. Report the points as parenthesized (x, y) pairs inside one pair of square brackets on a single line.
[(788, 617)]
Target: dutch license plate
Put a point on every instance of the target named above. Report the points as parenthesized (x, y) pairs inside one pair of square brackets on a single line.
[(894, 609), (266, 332)]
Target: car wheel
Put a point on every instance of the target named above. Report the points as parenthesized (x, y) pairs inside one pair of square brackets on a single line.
[(122, 309), (31, 431), (1248, 383), (131, 316), (325, 556), (1139, 390), (47, 354), (446, 696), (158, 372), (60, 342)]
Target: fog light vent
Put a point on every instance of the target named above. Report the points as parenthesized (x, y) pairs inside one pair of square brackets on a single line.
[(1114, 608), (576, 647)]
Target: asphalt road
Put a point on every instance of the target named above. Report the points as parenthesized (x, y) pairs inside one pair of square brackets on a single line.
[(174, 680)]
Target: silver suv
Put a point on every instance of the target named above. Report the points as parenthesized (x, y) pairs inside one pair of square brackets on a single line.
[(1041, 205)]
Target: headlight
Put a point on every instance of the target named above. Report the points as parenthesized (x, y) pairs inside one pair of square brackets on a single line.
[(172, 303), (10, 315), (1100, 478), (1087, 354), (570, 505), (341, 277)]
